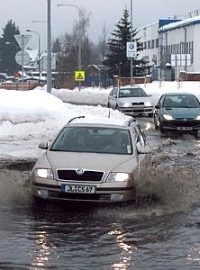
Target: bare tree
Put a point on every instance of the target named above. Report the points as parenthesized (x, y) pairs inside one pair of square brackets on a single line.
[(102, 46), (68, 55)]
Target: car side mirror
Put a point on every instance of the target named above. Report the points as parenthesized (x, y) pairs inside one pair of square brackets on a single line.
[(143, 149), (157, 106), (44, 145)]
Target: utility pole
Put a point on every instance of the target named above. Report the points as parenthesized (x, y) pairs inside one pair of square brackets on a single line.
[(131, 64)]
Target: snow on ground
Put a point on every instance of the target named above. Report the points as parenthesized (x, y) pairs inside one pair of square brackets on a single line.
[(95, 95), (29, 117)]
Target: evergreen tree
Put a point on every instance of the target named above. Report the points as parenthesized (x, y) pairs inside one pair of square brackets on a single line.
[(8, 49), (116, 58)]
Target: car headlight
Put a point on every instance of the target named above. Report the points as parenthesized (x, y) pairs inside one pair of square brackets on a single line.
[(44, 173), (148, 104), (118, 177), (198, 117), (168, 117), (126, 104)]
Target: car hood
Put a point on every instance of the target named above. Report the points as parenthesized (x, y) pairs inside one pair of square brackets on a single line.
[(179, 113), (90, 161), (134, 99)]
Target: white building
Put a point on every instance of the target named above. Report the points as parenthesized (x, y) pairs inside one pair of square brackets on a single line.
[(175, 42)]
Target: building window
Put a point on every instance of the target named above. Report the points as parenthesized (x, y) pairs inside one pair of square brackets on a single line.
[(191, 50), (181, 47), (187, 47), (152, 43), (157, 43)]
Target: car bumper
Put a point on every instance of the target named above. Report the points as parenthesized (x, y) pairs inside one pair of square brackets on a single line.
[(181, 126), (103, 193)]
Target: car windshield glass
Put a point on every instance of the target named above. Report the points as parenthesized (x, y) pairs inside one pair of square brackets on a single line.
[(132, 92), (93, 140), (181, 101)]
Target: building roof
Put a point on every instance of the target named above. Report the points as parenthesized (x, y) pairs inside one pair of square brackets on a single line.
[(160, 23), (99, 67), (180, 24)]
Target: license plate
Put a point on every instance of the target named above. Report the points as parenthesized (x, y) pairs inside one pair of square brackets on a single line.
[(78, 189), (184, 128)]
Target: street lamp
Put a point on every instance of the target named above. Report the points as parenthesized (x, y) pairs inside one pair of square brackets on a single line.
[(39, 21), (39, 51), (79, 38)]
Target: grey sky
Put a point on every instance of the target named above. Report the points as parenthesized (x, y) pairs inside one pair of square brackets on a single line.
[(108, 12)]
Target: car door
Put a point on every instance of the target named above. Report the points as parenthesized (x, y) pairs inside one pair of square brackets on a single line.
[(141, 143), (112, 99)]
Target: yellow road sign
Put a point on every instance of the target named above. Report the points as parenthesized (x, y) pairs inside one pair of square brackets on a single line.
[(79, 75)]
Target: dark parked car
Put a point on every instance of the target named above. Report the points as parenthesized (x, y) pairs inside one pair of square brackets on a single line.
[(131, 101), (178, 112)]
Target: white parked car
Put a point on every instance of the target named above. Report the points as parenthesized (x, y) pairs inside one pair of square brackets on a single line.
[(131, 101), (91, 162)]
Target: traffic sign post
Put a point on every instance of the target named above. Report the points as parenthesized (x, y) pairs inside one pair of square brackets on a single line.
[(26, 57), (131, 49), (22, 40), (180, 60), (79, 75)]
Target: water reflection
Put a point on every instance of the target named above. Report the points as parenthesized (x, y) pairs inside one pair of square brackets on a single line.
[(127, 251), (194, 253), (42, 252)]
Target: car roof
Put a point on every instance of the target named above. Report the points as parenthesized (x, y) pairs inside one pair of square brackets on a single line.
[(102, 122), (130, 87), (178, 94)]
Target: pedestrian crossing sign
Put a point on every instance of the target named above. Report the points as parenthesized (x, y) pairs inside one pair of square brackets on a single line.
[(79, 75)]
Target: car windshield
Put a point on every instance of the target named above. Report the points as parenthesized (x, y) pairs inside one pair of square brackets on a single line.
[(93, 140), (132, 92), (181, 101)]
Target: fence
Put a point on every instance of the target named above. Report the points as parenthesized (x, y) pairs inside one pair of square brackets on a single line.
[(20, 86)]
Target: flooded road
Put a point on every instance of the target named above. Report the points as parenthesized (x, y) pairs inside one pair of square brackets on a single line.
[(161, 231)]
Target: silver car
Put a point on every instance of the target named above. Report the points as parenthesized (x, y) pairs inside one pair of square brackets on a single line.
[(91, 162), (131, 101)]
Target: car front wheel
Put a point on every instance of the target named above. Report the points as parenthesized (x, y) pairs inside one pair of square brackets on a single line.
[(197, 134), (156, 123)]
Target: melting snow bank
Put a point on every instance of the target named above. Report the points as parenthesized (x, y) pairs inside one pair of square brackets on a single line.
[(28, 106), (87, 96), (29, 117)]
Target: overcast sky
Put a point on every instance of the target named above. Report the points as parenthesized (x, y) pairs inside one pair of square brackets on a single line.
[(108, 12)]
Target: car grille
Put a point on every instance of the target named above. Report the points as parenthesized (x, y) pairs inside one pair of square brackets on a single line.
[(138, 103), (136, 109), (86, 176)]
